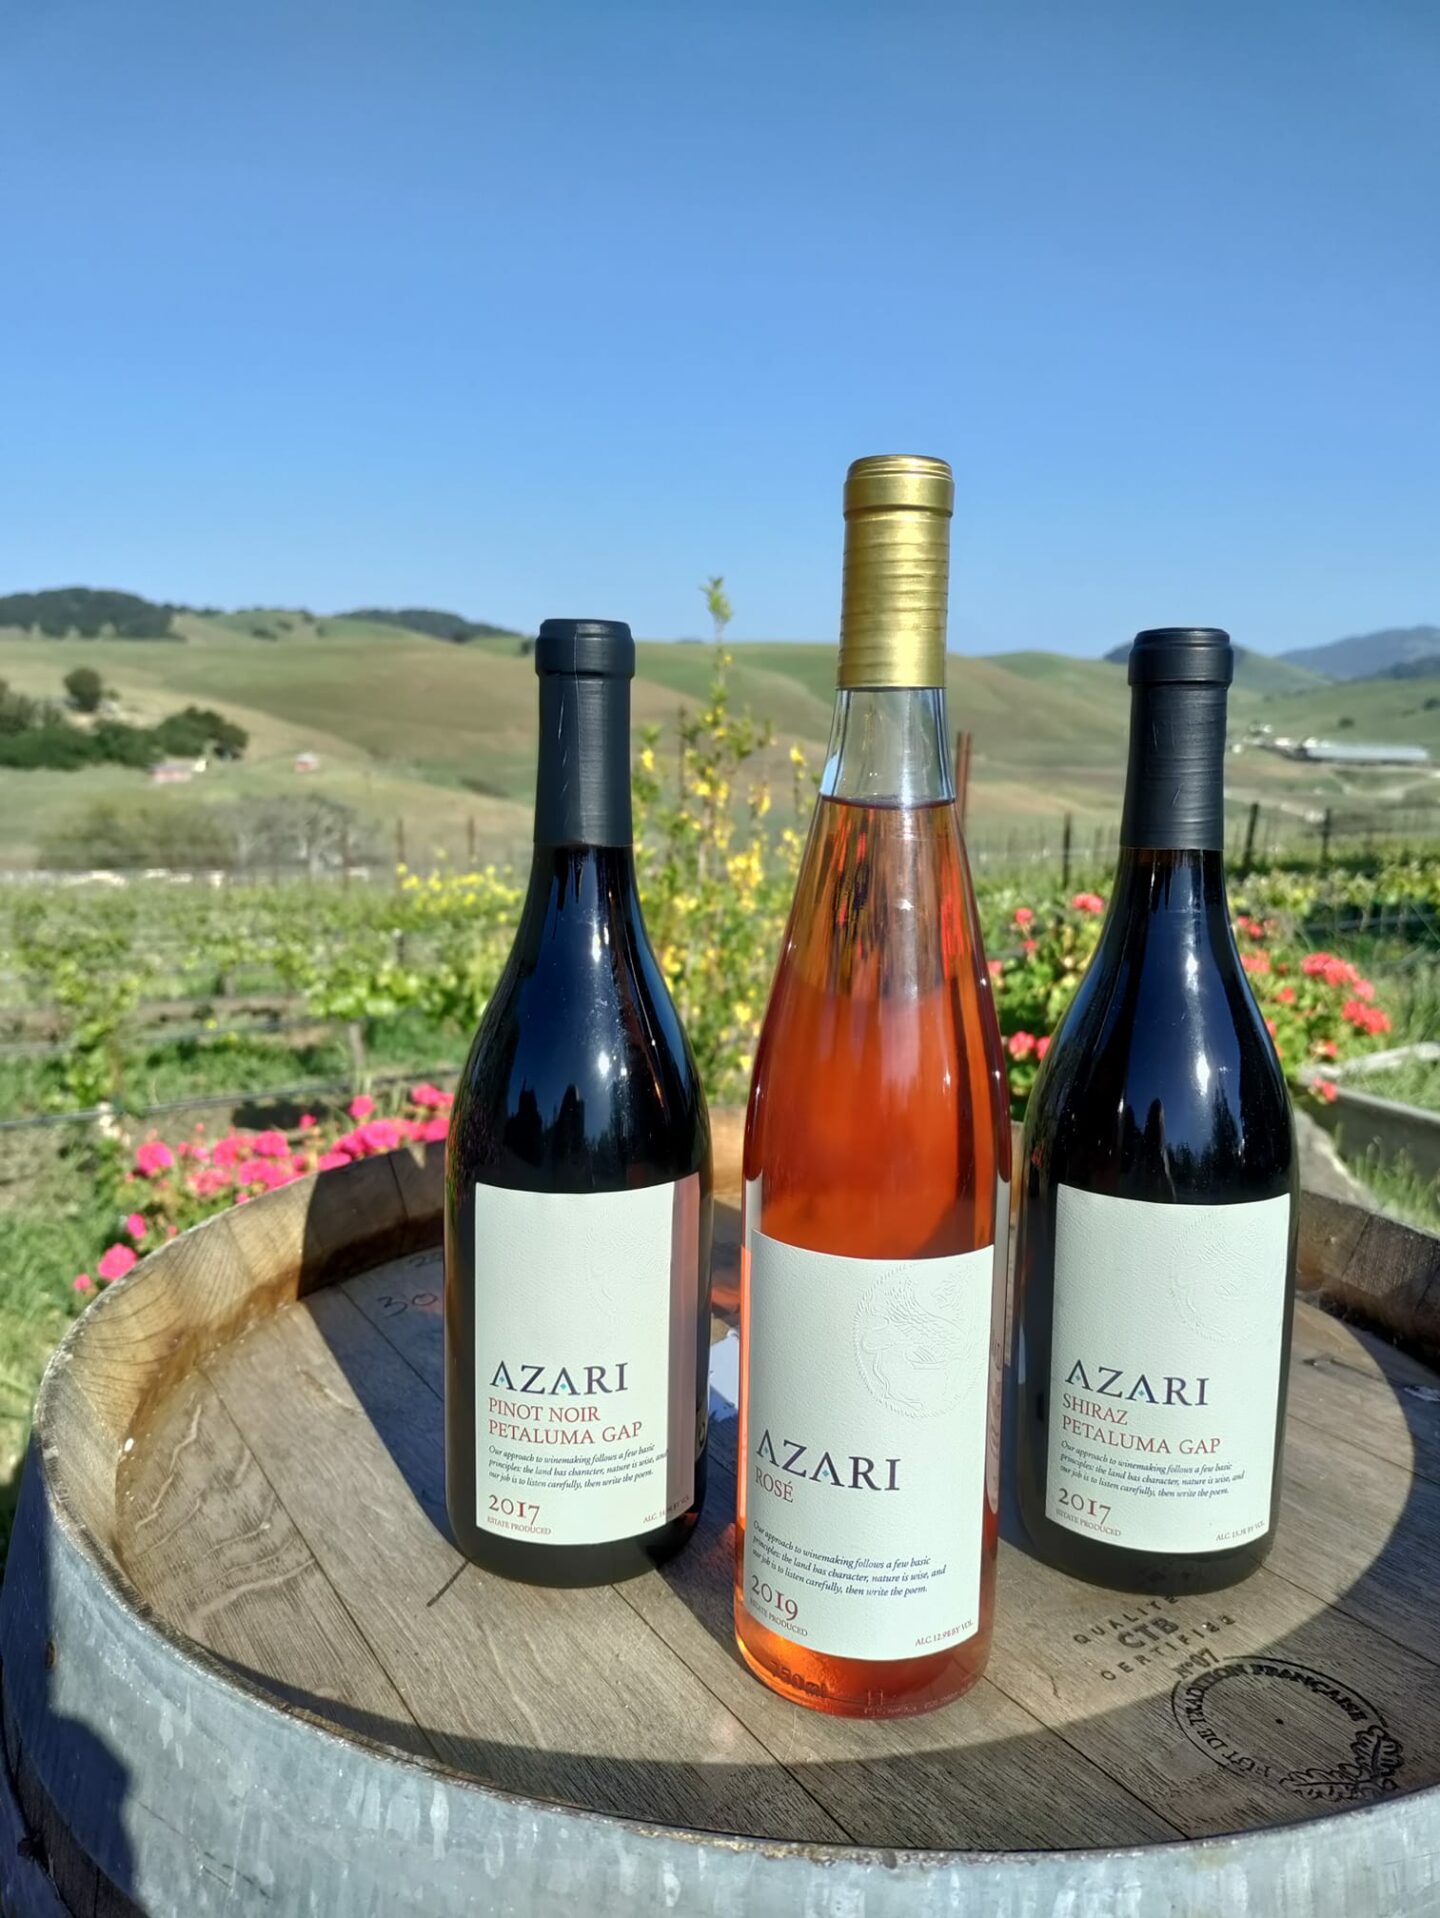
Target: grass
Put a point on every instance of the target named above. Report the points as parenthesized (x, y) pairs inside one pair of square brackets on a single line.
[(42, 1245), (1400, 1190), (1416, 1083)]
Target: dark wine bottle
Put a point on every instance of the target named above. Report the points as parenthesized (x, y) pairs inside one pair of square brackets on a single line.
[(578, 1189), (1155, 1265)]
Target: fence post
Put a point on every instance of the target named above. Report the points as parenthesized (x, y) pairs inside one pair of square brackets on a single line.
[(1065, 844), (400, 842), (1247, 858), (470, 841), (962, 774), (1325, 826)]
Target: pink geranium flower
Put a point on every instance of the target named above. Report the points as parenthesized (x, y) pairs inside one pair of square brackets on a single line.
[(381, 1135), (1020, 1045), (84, 1283), (428, 1097), (137, 1226), (117, 1261), (1023, 916), (271, 1144), (308, 1122), (1042, 1046), (361, 1106), (1088, 902), (995, 967), (1328, 1091), (434, 1131), (153, 1158), (332, 1161)]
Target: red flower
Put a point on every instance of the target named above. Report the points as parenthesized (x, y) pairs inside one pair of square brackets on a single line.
[(1327, 1090), (429, 1098), (1088, 902), (307, 1121), (1256, 962), (1020, 1045), (1314, 963), (995, 967), (1327, 1049), (153, 1158), (1042, 1046), (1027, 946), (84, 1283), (1023, 916), (117, 1261), (1286, 995)]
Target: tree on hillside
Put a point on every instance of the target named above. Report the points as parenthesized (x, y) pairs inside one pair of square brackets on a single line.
[(717, 604), (86, 689), (197, 731), (17, 713)]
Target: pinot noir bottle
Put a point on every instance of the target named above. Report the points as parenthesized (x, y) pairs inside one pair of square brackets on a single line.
[(578, 1189), (1155, 1266)]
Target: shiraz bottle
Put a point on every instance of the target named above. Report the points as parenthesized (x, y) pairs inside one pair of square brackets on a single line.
[(1155, 1266)]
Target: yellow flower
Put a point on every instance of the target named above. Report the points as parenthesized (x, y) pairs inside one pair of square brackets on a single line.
[(647, 759), (797, 758)]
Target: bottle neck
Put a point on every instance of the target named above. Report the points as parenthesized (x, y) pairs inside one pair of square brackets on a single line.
[(1175, 783), (582, 785), (889, 746)]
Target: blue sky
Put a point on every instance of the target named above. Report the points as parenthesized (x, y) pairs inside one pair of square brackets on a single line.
[(544, 308)]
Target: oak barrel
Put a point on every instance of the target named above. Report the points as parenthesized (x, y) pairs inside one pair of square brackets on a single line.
[(245, 1671)]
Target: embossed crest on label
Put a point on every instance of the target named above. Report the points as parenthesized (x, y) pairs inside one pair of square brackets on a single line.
[(866, 1420)]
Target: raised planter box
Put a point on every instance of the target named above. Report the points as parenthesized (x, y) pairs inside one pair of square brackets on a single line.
[(1364, 1121)]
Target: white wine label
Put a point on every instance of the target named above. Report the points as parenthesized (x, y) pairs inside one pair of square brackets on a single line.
[(865, 1416), (585, 1355), (1165, 1369)]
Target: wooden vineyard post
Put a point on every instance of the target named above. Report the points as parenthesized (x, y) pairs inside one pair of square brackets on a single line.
[(1247, 858), (1065, 850), (962, 774)]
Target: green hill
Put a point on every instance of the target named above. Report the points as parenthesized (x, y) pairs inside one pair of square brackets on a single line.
[(434, 743), (1367, 653)]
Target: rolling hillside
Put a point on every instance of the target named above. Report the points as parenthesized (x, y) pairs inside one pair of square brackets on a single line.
[(438, 737), (1367, 653)]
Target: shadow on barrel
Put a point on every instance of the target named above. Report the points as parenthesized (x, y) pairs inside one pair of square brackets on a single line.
[(52, 1757)]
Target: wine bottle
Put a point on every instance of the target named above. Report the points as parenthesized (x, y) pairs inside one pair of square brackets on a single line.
[(1155, 1264), (578, 1189), (866, 1529)]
